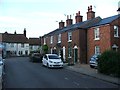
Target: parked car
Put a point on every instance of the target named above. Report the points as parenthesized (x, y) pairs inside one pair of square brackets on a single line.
[(52, 60), (36, 57), (1, 71), (94, 61)]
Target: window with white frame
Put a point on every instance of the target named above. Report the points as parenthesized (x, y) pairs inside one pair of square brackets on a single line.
[(97, 50), (22, 45), (51, 39), (12, 44), (44, 40), (97, 33), (116, 31), (69, 36), (59, 38)]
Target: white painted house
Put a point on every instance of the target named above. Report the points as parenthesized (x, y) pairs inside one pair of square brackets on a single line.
[(15, 44)]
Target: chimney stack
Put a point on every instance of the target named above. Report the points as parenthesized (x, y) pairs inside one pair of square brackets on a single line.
[(61, 24), (90, 13), (78, 17), (69, 21), (25, 32)]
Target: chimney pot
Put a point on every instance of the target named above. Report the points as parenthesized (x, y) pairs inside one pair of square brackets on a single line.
[(70, 16), (69, 21), (90, 13), (90, 7), (78, 17), (67, 16), (79, 13), (61, 24)]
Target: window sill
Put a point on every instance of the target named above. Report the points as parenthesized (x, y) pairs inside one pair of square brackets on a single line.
[(70, 41), (116, 36), (69, 57), (97, 39), (59, 42)]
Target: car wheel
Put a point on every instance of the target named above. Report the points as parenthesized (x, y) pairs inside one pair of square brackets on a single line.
[(47, 65), (92, 66)]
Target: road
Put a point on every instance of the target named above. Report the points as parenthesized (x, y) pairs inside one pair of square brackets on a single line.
[(20, 73)]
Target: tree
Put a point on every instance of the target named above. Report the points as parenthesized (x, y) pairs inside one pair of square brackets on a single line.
[(45, 48)]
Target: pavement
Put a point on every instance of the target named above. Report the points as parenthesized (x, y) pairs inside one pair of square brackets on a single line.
[(86, 70)]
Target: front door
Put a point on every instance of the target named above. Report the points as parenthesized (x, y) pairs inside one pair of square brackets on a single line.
[(75, 55)]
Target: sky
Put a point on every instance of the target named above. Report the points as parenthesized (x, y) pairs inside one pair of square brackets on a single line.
[(40, 17)]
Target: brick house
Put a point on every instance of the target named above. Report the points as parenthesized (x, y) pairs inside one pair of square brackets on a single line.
[(76, 43), (34, 44), (104, 35)]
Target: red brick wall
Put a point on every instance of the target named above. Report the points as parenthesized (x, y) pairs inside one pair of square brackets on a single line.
[(107, 38), (104, 42), (115, 40)]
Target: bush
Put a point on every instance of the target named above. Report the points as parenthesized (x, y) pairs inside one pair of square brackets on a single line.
[(109, 63), (45, 48)]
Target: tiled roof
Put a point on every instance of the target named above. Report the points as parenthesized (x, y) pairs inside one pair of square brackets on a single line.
[(14, 38), (107, 20), (86, 24), (82, 25), (34, 41)]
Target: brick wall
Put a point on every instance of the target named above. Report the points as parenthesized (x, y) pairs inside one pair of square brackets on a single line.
[(103, 43), (106, 41)]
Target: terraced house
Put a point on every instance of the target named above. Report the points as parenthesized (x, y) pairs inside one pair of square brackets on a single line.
[(15, 44), (76, 43), (18, 44)]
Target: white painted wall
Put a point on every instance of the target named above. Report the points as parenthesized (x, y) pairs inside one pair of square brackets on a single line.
[(16, 47)]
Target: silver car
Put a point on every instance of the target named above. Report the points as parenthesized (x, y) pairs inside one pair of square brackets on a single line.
[(94, 61)]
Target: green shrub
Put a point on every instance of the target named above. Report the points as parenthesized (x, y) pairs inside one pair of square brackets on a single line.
[(109, 63), (45, 48)]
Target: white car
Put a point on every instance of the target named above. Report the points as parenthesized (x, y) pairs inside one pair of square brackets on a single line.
[(52, 60), (1, 71)]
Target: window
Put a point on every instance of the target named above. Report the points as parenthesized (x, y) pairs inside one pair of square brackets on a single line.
[(97, 50), (97, 34), (51, 39), (59, 38), (69, 36), (116, 31), (12, 44), (44, 41), (31, 47), (22, 45)]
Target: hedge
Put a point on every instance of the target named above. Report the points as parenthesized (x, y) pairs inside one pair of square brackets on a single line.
[(109, 63)]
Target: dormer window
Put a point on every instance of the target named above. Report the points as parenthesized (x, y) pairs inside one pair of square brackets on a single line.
[(97, 33), (116, 31)]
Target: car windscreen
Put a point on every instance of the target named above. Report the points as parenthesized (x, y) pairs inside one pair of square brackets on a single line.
[(53, 57)]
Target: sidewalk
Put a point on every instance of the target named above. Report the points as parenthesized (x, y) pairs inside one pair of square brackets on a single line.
[(86, 70)]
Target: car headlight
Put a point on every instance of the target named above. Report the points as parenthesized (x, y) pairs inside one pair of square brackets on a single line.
[(51, 61)]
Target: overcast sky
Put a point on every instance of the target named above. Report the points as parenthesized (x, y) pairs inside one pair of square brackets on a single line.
[(40, 16)]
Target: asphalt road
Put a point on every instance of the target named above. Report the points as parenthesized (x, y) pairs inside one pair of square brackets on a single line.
[(20, 73)]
